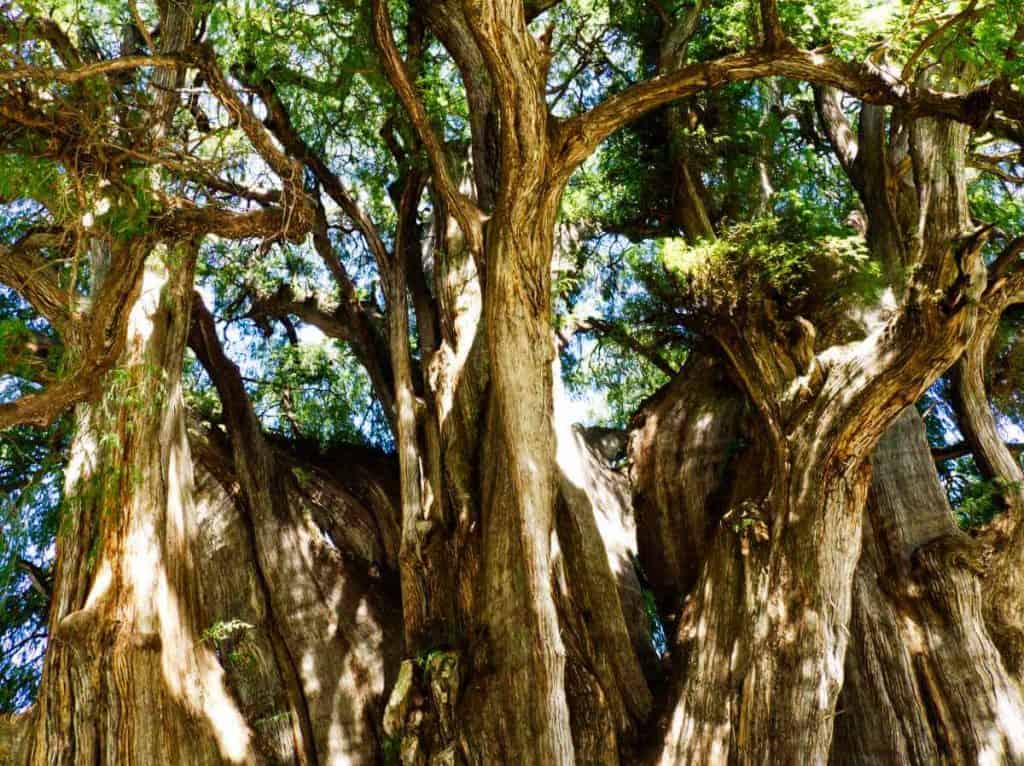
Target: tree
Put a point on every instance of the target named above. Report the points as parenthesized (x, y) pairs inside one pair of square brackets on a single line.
[(478, 597)]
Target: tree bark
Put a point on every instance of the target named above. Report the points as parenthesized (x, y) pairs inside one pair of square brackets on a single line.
[(682, 440), (126, 677), (12, 731), (1004, 579), (496, 438), (924, 680), (338, 623)]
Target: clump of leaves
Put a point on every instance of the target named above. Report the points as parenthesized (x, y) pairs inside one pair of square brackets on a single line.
[(766, 259), (225, 630), (31, 484), (975, 499)]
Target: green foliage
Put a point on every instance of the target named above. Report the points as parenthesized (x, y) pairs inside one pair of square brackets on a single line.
[(976, 501), (228, 639), (762, 259), (26, 177), (774, 192), (612, 380), (225, 630), (391, 748), (31, 483), (655, 627)]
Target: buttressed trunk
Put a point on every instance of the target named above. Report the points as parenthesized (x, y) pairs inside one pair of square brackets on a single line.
[(763, 686), (126, 677), (500, 631), (924, 681), (321, 556), (757, 608), (1004, 577), (917, 601)]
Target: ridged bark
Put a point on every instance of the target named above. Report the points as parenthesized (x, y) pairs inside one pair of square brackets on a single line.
[(127, 678), (924, 680), (338, 622), (1004, 577)]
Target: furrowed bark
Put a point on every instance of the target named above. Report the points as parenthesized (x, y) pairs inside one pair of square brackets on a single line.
[(600, 604), (681, 442), (336, 619), (763, 687), (924, 680), (13, 730), (515, 704), (237, 621), (126, 677), (1004, 579), (523, 715), (765, 607)]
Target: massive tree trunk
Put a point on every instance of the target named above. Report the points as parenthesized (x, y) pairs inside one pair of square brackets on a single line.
[(499, 602), (335, 623), (763, 636), (760, 681), (351, 497), (127, 678), (682, 441), (924, 681), (1004, 537)]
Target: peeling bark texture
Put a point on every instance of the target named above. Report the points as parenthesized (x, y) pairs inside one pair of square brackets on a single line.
[(125, 650), (924, 681)]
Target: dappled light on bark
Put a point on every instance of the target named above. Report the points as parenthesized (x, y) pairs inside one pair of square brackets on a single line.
[(925, 682), (408, 245), (125, 620)]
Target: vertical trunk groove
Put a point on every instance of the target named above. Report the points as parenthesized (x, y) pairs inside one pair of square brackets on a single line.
[(924, 681), (335, 618), (126, 677)]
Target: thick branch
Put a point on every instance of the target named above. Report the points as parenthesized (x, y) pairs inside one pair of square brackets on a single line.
[(977, 422), (77, 74), (187, 221), (960, 449), (350, 323), (465, 211), (1006, 262), (986, 165), (37, 576), (238, 412), (535, 8), (280, 123), (30, 274), (837, 128), (38, 28), (771, 29), (581, 135)]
